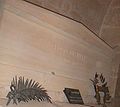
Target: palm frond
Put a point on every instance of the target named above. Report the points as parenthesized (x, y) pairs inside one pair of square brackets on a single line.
[(25, 90)]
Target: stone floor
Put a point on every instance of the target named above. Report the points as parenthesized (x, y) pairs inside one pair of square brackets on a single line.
[(39, 104), (115, 103)]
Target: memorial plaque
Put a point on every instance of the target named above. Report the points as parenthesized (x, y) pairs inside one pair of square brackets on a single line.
[(73, 96)]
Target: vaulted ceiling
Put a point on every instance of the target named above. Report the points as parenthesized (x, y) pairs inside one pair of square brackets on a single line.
[(110, 29), (100, 16)]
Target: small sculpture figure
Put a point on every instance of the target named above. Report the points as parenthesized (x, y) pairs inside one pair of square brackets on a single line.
[(100, 85), (25, 90)]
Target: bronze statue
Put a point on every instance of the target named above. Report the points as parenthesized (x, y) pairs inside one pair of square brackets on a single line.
[(100, 85), (25, 90)]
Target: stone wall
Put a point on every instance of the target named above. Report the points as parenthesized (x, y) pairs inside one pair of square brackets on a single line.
[(51, 49), (117, 91)]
